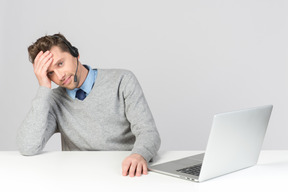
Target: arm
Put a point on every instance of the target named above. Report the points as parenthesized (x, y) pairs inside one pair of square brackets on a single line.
[(39, 125), (142, 126)]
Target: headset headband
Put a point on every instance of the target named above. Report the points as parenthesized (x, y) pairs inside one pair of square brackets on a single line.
[(73, 50)]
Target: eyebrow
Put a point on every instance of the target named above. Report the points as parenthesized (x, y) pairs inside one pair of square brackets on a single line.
[(59, 60)]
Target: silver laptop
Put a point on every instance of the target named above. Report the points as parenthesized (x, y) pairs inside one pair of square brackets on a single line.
[(234, 143)]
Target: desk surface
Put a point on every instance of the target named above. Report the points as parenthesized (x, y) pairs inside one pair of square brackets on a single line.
[(91, 171)]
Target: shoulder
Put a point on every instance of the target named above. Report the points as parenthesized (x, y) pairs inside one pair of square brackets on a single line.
[(115, 74), (122, 78)]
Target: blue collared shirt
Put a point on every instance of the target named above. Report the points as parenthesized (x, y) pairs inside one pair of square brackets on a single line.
[(87, 85)]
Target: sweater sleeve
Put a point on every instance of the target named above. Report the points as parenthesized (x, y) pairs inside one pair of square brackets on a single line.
[(38, 126), (140, 117)]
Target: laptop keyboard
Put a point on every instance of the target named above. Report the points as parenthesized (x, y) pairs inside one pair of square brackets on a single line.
[(193, 170)]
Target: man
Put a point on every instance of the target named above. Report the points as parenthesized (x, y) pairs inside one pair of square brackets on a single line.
[(93, 109)]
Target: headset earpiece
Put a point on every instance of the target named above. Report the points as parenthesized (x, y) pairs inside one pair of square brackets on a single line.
[(74, 51)]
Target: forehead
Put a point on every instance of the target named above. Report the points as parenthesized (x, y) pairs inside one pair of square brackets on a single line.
[(58, 55), (57, 52)]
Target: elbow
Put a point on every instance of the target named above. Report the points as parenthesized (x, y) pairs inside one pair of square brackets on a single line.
[(28, 148), (28, 151)]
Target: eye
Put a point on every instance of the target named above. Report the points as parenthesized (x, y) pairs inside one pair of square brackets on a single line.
[(50, 73), (60, 64)]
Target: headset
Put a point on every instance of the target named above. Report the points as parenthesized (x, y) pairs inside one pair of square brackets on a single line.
[(73, 50)]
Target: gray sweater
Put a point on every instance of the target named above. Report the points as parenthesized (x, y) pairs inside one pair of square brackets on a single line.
[(114, 116)]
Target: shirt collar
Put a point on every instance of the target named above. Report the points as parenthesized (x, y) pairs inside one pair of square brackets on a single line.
[(87, 85)]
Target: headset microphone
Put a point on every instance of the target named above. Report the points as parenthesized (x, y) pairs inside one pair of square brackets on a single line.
[(75, 76)]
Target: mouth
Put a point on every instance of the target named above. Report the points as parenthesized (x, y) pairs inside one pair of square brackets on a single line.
[(67, 81)]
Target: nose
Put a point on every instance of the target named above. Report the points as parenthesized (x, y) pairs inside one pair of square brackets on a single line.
[(59, 75)]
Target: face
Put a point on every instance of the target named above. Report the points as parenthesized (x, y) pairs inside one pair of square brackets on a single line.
[(62, 70)]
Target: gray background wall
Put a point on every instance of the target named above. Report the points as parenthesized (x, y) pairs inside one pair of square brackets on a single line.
[(192, 58)]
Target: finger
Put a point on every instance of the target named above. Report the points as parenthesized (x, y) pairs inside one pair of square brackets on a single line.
[(42, 68), (45, 63), (38, 56), (145, 169), (125, 168), (139, 170), (132, 169), (43, 56), (38, 63)]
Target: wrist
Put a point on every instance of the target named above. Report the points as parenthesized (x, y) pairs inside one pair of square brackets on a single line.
[(45, 84)]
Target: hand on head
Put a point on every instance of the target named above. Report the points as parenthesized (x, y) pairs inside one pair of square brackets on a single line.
[(41, 65)]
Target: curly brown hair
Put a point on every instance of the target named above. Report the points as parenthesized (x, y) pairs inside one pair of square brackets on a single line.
[(45, 43)]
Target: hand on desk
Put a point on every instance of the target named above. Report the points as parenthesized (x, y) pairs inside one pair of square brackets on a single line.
[(133, 165)]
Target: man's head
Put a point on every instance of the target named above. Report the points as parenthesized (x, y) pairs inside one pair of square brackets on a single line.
[(45, 43), (54, 58)]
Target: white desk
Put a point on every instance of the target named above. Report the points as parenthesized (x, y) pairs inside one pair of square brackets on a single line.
[(94, 171)]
